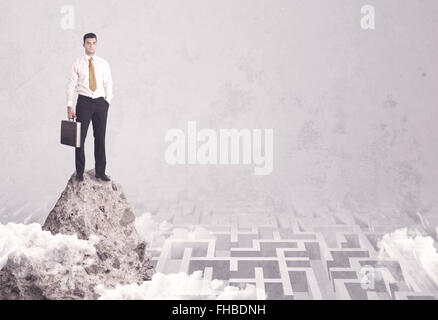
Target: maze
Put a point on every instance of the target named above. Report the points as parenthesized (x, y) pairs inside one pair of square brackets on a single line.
[(290, 256)]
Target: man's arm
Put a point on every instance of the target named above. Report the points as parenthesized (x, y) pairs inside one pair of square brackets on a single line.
[(71, 88), (108, 84)]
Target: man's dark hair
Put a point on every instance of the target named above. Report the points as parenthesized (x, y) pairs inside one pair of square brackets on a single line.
[(90, 35)]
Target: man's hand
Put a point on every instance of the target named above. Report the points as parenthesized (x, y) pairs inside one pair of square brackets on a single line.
[(70, 113)]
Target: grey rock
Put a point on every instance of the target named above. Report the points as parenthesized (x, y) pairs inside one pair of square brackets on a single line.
[(88, 209)]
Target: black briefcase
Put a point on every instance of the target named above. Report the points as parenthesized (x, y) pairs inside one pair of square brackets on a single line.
[(71, 133)]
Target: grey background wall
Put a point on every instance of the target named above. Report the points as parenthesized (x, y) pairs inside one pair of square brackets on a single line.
[(353, 111)]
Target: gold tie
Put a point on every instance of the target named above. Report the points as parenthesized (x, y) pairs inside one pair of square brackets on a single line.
[(92, 76)]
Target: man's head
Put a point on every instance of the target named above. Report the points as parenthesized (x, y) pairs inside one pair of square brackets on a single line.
[(90, 42)]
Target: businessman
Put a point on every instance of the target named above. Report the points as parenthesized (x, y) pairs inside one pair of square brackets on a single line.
[(90, 76)]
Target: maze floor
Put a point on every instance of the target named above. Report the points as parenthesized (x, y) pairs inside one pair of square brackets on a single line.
[(288, 256)]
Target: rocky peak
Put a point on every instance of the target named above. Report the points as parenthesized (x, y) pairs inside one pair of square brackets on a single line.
[(96, 211)]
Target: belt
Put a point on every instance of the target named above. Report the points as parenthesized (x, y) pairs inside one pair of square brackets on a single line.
[(89, 98)]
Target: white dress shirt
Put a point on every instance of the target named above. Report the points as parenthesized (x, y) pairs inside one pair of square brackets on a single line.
[(79, 79)]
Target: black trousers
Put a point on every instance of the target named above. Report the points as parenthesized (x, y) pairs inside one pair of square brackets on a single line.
[(96, 111)]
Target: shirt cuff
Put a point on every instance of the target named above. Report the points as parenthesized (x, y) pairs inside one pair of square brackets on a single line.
[(70, 104)]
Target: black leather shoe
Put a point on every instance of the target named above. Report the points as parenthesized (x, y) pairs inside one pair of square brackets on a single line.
[(80, 177), (103, 177)]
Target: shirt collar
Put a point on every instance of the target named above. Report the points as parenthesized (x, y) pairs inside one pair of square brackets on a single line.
[(88, 57)]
